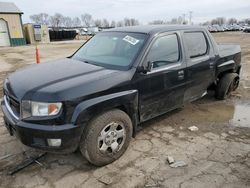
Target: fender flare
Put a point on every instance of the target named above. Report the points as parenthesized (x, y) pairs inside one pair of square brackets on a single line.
[(225, 67), (128, 100)]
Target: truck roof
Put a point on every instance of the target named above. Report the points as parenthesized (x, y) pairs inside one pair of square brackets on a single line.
[(153, 29)]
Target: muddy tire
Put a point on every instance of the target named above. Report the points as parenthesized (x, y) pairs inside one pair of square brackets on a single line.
[(228, 83), (106, 137)]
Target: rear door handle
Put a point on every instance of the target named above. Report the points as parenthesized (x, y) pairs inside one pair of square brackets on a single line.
[(180, 75)]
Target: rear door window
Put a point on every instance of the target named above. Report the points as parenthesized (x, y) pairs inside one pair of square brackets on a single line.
[(196, 44)]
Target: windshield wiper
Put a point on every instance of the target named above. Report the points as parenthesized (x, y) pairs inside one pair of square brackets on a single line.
[(82, 60)]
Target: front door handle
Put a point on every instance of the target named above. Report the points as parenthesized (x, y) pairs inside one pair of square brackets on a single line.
[(180, 75)]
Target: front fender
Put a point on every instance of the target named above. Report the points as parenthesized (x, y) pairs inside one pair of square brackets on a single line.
[(127, 100)]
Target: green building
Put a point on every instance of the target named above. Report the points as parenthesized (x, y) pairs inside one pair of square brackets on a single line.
[(11, 27)]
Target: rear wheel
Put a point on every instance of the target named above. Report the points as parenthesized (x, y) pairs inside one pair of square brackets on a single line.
[(106, 137), (228, 83)]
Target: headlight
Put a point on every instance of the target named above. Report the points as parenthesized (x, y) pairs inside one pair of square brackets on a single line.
[(40, 109)]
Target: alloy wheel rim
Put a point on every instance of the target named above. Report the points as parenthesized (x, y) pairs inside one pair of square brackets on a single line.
[(236, 83), (111, 138)]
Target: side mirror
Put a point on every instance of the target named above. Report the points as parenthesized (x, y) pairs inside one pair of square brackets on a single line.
[(145, 69), (149, 66)]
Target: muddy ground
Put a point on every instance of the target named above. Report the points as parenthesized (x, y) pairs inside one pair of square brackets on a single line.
[(217, 155)]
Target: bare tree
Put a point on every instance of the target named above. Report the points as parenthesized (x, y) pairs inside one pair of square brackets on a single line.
[(76, 22), (206, 23), (133, 21), (35, 18), (87, 19), (67, 22), (105, 23), (214, 22), (130, 22), (180, 20), (112, 24), (218, 21), (98, 22), (120, 23), (126, 22), (42, 18), (156, 22), (247, 20), (174, 21), (232, 21), (56, 20), (221, 20)]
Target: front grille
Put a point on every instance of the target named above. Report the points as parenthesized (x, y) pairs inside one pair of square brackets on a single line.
[(13, 104)]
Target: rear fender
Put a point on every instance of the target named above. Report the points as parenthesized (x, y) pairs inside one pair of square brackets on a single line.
[(230, 65), (226, 66)]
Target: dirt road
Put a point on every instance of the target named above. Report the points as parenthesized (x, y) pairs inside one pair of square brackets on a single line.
[(217, 155)]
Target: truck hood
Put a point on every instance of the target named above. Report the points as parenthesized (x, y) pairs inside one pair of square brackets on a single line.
[(60, 80)]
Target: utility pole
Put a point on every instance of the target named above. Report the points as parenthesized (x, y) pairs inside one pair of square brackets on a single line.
[(190, 17)]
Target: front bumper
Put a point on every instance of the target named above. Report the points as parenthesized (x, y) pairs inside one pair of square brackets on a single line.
[(36, 135)]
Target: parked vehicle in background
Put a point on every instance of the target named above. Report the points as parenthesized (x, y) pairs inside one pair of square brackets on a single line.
[(247, 30), (211, 29), (218, 28), (225, 27), (95, 99)]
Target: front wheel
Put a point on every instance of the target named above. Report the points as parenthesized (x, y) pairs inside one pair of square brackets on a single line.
[(106, 137)]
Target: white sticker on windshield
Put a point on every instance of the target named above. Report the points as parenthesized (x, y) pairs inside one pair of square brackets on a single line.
[(131, 40)]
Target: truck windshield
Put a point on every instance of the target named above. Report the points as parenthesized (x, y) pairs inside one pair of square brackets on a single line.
[(115, 50)]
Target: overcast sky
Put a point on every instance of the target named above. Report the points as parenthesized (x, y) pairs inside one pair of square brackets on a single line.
[(143, 10)]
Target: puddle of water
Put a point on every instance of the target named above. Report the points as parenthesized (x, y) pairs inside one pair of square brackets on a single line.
[(217, 113), (237, 114), (241, 116)]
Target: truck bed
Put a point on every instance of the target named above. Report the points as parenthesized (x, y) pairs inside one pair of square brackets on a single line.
[(226, 50)]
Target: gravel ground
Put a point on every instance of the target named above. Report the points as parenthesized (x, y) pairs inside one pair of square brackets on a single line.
[(217, 154)]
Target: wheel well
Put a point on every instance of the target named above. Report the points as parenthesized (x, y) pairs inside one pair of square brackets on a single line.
[(133, 116), (222, 74), (225, 72), (125, 108), (238, 70)]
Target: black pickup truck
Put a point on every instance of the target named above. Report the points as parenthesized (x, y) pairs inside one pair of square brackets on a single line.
[(95, 99)]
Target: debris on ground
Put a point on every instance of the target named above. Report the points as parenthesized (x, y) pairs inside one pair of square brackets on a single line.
[(152, 185), (224, 135), (169, 129), (5, 156), (170, 159), (26, 163), (233, 133), (193, 128), (178, 164), (236, 95), (105, 180)]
